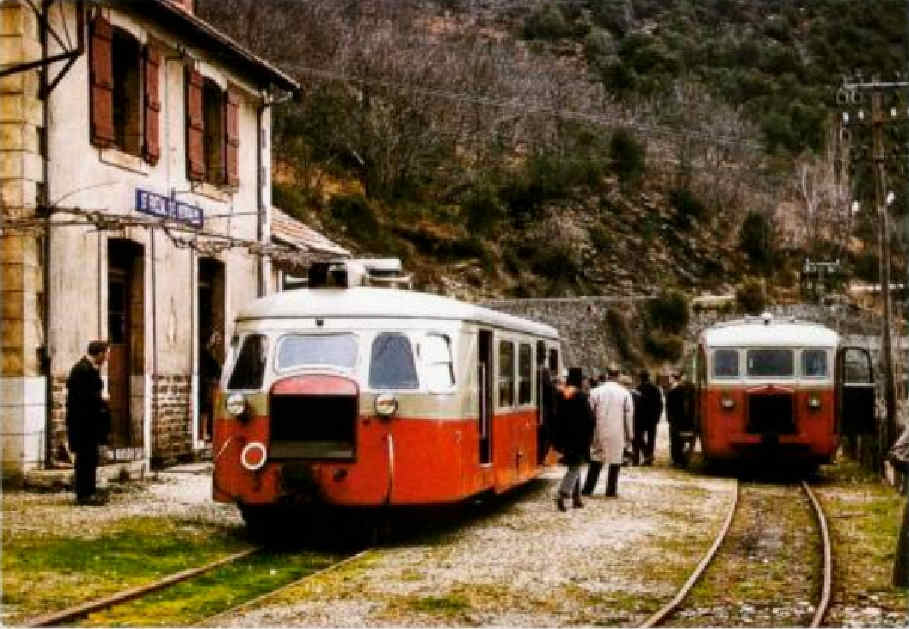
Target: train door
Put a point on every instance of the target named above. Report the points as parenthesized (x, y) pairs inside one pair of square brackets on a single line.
[(485, 400), (855, 393), (544, 401)]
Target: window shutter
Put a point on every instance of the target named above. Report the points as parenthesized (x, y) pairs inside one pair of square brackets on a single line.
[(101, 77), (232, 138), (195, 127), (152, 149)]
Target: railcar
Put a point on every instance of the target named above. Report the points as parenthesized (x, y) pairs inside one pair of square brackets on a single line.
[(367, 397), (780, 391)]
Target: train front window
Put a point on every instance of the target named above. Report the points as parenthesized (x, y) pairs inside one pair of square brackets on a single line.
[(335, 350), (726, 363), (392, 365), (249, 370), (814, 363), (770, 363)]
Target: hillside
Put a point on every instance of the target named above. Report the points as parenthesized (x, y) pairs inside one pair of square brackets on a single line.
[(591, 147)]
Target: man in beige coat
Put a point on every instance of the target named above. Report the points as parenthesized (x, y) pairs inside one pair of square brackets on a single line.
[(613, 407)]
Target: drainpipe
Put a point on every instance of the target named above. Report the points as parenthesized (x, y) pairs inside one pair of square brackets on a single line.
[(149, 448), (45, 354), (267, 101)]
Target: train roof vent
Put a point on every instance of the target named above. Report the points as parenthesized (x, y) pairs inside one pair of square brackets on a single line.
[(383, 272)]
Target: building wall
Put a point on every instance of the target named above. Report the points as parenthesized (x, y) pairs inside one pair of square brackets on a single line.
[(22, 384), (86, 177)]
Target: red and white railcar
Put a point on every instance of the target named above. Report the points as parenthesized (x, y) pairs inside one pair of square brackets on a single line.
[(371, 396), (779, 389)]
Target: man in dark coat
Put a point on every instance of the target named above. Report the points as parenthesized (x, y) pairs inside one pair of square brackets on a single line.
[(680, 415), (651, 407), (87, 419), (573, 435)]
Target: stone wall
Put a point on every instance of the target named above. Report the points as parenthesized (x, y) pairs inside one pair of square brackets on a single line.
[(172, 438)]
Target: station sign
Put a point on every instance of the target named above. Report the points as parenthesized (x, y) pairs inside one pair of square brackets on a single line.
[(166, 207)]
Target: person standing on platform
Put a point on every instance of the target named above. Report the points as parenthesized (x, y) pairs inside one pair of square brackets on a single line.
[(574, 431), (87, 420), (680, 415), (613, 408), (648, 415)]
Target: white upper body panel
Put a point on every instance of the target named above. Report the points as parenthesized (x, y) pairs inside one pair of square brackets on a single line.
[(371, 303), (774, 334)]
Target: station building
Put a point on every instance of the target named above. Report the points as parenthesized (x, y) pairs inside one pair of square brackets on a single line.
[(135, 198)]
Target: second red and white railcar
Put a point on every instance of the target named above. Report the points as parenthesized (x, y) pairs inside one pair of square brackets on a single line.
[(369, 396), (783, 389)]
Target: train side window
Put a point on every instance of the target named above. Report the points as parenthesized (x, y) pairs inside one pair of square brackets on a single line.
[(814, 363), (726, 363), (506, 373), (438, 365), (391, 365), (249, 370), (525, 373), (554, 363), (857, 367)]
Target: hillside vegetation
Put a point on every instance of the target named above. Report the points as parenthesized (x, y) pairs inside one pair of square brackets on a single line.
[(520, 148)]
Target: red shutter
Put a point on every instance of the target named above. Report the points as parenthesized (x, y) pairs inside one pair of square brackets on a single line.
[(101, 73), (232, 138), (195, 127), (152, 149)]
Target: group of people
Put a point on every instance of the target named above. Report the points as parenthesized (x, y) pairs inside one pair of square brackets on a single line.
[(606, 423)]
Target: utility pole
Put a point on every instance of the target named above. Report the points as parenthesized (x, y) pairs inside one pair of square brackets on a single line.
[(852, 92)]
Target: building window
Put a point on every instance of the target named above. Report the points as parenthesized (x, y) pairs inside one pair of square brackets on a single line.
[(126, 58), (213, 115)]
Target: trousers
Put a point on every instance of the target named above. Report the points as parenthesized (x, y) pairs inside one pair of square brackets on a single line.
[(571, 482), (593, 475), (86, 467)]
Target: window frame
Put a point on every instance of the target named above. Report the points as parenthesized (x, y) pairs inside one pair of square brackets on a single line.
[(120, 143), (281, 338), (414, 358), (801, 363), (519, 378), (424, 363), (499, 376), (235, 354), (713, 363), (791, 376)]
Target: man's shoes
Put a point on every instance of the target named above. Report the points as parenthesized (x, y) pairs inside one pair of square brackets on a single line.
[(586, 493), (611, 495), (576, 502), (560, 503)]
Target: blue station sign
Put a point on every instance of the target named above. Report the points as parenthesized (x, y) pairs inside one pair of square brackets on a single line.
[(166, 207)]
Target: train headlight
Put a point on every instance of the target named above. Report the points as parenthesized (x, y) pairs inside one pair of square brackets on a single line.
[(253, 456), (814, 402), (235, 404), (727, 403), (386, 405)]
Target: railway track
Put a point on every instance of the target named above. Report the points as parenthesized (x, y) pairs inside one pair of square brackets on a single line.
[(78, 612), (676, 604)]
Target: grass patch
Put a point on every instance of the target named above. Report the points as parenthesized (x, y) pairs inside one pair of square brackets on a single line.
[(443, 605), (194, 600), (130, 552)]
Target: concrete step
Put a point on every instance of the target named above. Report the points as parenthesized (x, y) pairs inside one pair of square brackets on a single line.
[(60, 479)]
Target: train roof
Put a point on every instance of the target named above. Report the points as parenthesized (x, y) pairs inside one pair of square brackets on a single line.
[(768, 332), (364, 302)]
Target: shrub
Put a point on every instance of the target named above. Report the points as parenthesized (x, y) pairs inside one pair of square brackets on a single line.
[(547, 22), (687, 205), (750, 297), (618, 325), (669, 311), (662, 346), (756, 240), (484, 210), (355, 215), (627, 155), (601, 238)]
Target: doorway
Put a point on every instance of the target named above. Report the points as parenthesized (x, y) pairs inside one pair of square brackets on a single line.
[(125, 331), (210, 341), (484, 379)]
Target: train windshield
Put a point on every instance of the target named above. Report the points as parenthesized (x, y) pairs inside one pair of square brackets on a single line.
[(726, 363), (814, 363), (764, 363), (249, 369), (392, 365), (336, 350)]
